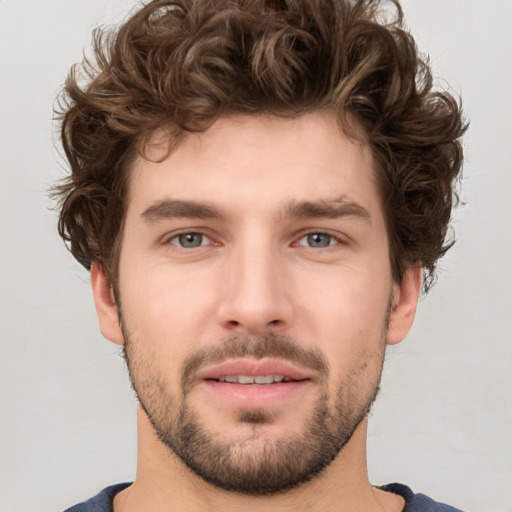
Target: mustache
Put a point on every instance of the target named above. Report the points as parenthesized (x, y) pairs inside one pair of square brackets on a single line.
[(268, 345)]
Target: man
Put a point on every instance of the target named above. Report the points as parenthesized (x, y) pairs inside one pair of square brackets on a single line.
[(258, 188)]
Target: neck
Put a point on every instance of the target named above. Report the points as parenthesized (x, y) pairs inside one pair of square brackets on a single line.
[(163, 483)]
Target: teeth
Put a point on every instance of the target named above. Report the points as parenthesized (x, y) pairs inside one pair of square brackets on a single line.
[(260, 379), (264, 379)]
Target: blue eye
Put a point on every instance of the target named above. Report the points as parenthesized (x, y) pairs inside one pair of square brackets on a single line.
[(190, 240), (317, 240)]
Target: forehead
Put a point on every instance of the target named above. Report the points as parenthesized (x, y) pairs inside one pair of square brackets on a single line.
[(260, 161)]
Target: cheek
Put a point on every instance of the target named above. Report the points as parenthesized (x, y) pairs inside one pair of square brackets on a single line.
[(346, 318), (171, 311), (348, 299)]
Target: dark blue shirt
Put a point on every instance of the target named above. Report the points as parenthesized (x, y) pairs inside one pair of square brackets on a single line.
[(102, 502)]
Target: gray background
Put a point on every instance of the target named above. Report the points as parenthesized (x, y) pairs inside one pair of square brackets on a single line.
[(443, 422)]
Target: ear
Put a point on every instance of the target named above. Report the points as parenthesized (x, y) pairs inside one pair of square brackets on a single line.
[(106, 308), (404, 303)]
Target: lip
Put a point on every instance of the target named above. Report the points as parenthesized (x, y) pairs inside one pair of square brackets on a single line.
[(253, 368), (254, 396)]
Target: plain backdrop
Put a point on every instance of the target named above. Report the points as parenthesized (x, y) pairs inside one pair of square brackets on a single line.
[(443, 422)]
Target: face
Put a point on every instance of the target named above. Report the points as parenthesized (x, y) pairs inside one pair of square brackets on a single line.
[(256, 298)]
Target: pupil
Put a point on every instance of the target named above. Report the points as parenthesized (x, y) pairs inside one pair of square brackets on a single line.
[(318, 240)]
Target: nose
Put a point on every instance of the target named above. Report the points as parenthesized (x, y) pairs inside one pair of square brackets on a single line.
[(255, 294)]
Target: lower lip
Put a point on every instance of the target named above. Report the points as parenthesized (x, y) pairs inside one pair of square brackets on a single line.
[(256, 396)]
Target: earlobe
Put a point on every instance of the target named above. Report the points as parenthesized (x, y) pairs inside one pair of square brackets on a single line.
[(106, 308), (403, 309)]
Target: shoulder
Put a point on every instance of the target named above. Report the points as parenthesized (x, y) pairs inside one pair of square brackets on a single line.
[(417, 502), (102, 502)]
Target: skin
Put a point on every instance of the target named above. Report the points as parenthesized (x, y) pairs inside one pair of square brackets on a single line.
[(257, 273)]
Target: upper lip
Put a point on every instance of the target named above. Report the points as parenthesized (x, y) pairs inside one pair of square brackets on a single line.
[(252, 368)]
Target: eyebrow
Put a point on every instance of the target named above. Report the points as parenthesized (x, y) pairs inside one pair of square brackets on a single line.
[(331, 209), (172, 208)]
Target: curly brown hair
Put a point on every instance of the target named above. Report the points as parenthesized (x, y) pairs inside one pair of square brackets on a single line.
[(181, 64)]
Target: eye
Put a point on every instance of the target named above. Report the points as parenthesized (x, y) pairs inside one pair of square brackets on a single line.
[(190, 240), (317, 240)]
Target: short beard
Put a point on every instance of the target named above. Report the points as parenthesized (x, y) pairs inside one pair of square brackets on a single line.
[(273, 467), (255, 465)]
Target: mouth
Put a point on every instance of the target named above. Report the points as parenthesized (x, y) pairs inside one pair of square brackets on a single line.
[(261, 372), (259, 379), (250, 384)]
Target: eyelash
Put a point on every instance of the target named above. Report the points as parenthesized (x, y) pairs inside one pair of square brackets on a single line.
[(176, 237), (332, 238)]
